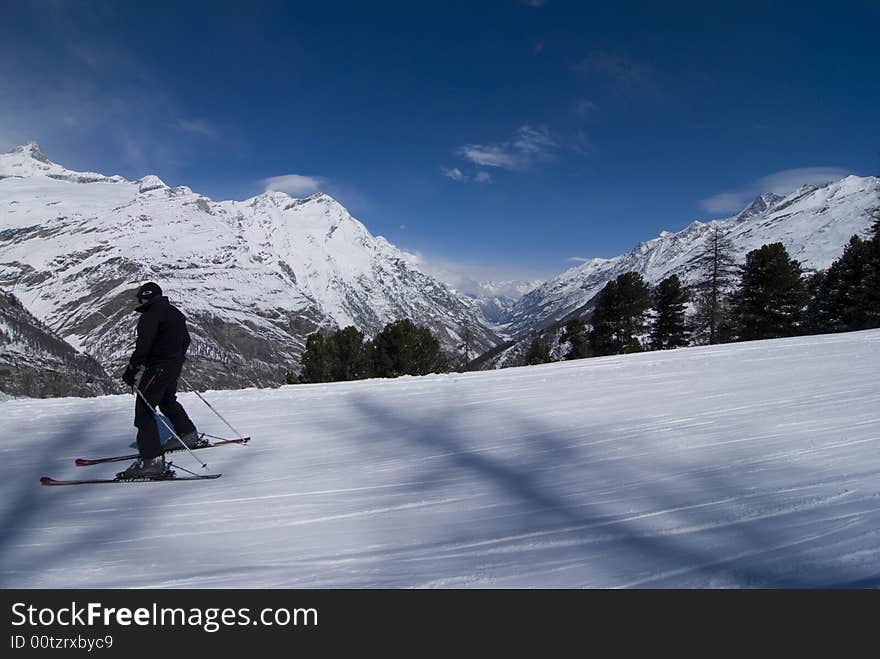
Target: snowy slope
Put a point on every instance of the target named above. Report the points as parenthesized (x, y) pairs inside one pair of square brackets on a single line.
[(254, 276), (742, 465), (814, 224)]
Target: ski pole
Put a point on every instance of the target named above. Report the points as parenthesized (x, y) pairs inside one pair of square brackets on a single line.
[(237, 434), (171, 430)]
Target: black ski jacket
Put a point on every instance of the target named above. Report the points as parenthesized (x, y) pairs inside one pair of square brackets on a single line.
[(162, 336)]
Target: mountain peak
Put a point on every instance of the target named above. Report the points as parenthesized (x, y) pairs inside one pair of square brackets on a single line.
[(760, 204), (150, 182), (31, 149)]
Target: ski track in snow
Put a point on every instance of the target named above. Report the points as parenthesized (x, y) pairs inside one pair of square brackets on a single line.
[(746, 465)]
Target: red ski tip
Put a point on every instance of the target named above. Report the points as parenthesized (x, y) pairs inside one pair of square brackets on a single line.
[(45, 480)]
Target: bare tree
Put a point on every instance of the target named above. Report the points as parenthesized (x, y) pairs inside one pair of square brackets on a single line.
[(467, 344), (718, 269)]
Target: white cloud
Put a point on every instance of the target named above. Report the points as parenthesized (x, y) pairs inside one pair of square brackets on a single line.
[(727, 202), (533, 141), (791, 179), (299, 185), (466, 278), (295, 184), (528, 146), (490, 156), (455, 174), (781, 183)]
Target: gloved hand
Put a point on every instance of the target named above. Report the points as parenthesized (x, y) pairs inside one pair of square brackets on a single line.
[(130, 374)]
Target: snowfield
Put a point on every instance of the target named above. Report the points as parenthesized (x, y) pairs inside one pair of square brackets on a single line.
[(745, 465)]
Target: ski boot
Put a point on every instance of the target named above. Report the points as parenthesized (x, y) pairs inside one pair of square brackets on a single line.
[(147, 469), (190, 439)]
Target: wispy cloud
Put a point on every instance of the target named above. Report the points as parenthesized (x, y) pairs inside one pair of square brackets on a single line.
[(581, 144), (727, 202), (626, 74), (197, 127), (488, 155), (780, 183), (584, 107), (791, 179), (614, 65), (528, 146), (295, 184), (300, 185), (534, 142), (99, 98), (467, 278), (455, 174)]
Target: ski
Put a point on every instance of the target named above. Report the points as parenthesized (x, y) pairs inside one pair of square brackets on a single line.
[(86, 462), (46, 480)]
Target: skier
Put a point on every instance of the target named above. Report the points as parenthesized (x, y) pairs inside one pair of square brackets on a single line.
[(162, 341)]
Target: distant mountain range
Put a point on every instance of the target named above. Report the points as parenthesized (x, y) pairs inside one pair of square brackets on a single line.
[(814, 223), (497, 298), (255, 277)]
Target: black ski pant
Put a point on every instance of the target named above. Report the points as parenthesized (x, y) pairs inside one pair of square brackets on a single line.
[(159, 387)]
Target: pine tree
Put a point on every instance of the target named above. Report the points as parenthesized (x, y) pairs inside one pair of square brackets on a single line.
[(315, 360), (772, 294), (670, 300), (351, 361), (403, 348), (871, 283), (538, 352), (718, 267), (603, 321), (839, 300), (634, 300), (575, 333), (817, 318), (619, 318)]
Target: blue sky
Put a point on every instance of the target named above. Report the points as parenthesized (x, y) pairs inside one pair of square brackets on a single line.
[(502, 139)]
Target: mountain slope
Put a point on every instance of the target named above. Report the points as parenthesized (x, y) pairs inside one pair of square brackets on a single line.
[(497, 298), (814, 224), (36, 362), (742, 465), (254, 276)]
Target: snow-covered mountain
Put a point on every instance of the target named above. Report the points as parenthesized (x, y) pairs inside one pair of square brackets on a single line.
[(36, 362), (254, 277), (814, 223), (497, 298), (748, 465)]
